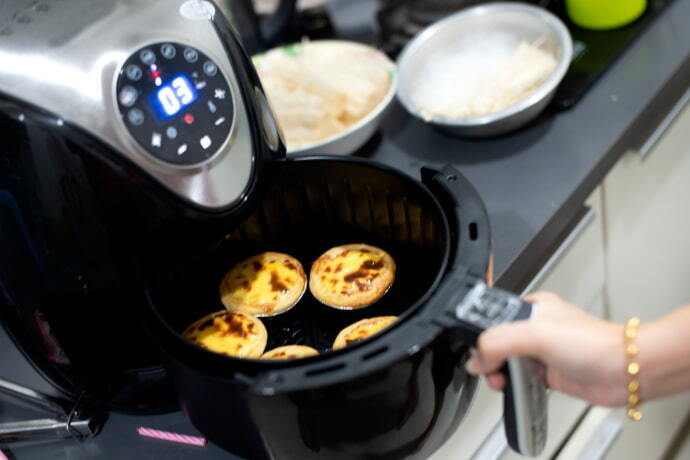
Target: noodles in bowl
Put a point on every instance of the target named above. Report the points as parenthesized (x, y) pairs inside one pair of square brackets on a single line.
[(321, 91)]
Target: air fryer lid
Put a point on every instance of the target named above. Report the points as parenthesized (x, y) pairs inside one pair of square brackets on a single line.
[(320, 203), (161, 82)]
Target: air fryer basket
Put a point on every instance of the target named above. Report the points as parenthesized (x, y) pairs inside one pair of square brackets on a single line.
[(318, 204), (399, 394)]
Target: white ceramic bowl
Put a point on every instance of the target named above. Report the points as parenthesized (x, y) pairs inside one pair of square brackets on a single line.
[(521, 22), (356, 135)]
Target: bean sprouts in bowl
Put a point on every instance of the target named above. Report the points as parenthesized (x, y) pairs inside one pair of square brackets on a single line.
[(328, 95), (485, 70)]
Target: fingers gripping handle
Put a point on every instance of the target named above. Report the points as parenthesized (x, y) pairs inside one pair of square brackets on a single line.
[(524, 401)]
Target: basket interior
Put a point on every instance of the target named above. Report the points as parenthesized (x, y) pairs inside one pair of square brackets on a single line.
[(316, 205)]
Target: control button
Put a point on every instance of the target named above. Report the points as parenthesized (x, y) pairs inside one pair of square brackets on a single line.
[(205, 142), (147, 56), (136, 117), (212, 107), (156, 140), (168, 51), (171, 132), (182, 149), (219, 94), (220, 121), (134, 72), (191, 55), (496, 309), (210, 69), (201, 85), (128, 96)]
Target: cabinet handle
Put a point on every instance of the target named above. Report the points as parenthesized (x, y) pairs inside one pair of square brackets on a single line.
[(601, 441), (558, 254), (663, 126), (493, 447)]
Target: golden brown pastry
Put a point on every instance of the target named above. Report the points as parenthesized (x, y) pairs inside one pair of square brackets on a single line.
[(264, 285), (290, 352), (351, 276), (361, 330), (229, 333)]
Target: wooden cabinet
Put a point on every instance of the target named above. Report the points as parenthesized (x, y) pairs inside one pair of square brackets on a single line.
[(607, 434), (647, 218), (646, 201)]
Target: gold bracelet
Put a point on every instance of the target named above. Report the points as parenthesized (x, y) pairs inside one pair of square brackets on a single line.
[(633, 369)]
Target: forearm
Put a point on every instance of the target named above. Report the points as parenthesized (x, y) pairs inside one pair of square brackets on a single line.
[(664, 355)]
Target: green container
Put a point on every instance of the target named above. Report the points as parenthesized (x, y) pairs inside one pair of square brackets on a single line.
[(604, 14)]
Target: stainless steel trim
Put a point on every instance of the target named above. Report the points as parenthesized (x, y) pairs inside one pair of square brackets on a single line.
[(662, 127), (32, 397), (67, 423), (562, 249), (66, 60), (44, 429), (493, 447), (601, 441)]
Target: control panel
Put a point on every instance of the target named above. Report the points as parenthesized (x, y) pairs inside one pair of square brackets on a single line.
[(176, 103)]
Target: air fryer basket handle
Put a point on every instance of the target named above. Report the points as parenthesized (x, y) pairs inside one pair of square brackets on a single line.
[(473, 307)]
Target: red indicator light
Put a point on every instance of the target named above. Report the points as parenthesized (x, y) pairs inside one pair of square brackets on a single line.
[(156, 74), (188, 118)]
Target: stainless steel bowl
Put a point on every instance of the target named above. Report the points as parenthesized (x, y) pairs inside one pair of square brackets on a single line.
[(522, 21)]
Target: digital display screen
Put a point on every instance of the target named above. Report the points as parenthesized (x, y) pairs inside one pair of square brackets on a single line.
[(174, 96)]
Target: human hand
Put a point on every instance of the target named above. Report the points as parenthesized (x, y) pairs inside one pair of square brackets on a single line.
[(583, 355)]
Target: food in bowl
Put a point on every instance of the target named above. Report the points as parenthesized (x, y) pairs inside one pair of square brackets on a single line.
[(485, 70), (361, 330), (481, 76), (229, 333), (320, 89), (264, 285), (290, 352), (351, 276)]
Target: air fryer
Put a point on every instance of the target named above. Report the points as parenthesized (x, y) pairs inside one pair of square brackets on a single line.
[(141, 161), (407, 401), (399, 394)]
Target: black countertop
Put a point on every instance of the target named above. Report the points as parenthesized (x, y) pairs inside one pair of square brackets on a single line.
[(534, 183)]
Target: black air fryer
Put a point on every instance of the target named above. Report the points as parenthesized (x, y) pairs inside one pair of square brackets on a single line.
[(140, 161)]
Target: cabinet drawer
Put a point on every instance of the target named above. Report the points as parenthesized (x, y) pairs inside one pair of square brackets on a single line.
[(647, 221), (607, 434)]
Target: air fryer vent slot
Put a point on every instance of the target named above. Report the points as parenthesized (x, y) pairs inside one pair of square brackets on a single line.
[(374, 353), (325, 370), (474, 232)]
